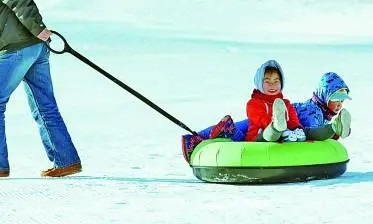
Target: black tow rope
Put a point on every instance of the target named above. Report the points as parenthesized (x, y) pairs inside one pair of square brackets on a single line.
[(68, 49)]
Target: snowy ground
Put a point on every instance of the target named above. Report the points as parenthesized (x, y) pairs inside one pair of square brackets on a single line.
[(196, 59)]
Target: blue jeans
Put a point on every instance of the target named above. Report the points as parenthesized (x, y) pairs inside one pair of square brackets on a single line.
[(31, 65)]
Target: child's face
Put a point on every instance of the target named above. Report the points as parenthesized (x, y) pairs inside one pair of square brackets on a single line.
[(271, 83), (335, 106)]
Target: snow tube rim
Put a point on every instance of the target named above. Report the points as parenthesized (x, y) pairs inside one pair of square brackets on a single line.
[(212, 170), (223, 152)]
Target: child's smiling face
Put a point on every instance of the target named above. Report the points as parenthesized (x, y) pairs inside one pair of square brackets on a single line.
[(271, 83)]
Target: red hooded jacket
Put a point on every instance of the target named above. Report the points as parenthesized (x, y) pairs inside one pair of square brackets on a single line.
[(259, 112)]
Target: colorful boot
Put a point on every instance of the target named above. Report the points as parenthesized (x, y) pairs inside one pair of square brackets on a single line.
[(188, 143), (224, 129), (342, 123)]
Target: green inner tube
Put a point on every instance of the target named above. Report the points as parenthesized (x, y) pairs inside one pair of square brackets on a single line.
[(224, 161)]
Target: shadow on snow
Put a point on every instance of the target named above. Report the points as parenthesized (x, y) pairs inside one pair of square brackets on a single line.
[(347, 178)]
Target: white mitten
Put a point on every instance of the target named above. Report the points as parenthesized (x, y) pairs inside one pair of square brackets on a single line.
[(289, 136), (301, 137)]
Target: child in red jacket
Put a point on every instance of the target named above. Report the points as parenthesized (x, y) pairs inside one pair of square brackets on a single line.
[(269, 114)]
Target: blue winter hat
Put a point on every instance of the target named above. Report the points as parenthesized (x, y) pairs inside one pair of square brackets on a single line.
[(259, 76), (329, 84)]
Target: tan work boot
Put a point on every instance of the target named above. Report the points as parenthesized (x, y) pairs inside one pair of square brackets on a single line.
[(4, 173), (342, 123), (62, 171)]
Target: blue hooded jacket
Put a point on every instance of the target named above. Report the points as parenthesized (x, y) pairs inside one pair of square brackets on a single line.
[(314, 112)]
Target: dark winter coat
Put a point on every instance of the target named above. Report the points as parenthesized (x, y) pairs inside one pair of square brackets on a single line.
[(20, 24)]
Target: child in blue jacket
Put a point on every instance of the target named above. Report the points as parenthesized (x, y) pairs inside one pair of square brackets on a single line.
[(326, 102)]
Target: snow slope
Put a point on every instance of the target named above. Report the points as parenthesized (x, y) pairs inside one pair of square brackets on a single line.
[(196, 59)]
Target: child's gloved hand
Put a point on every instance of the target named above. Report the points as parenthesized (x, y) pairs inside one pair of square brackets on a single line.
[(299, 133), (296, 135), (289, 136)]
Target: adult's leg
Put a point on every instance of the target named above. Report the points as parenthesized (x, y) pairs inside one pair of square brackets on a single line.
[(55, 137), (13, 67)]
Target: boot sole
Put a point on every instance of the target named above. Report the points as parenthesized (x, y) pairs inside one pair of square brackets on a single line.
[(346, 123), (183, 149), (279, 113)]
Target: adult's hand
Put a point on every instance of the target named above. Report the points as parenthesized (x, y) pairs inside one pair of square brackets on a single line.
[(44, 35)]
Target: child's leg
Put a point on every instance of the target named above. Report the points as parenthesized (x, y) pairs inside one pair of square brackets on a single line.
[(239, 134), (270, 134), (340, 127), (206, 132), (224, 129), (278, 125), (188, 143), (279, 115), (242, 125), (320, 133)]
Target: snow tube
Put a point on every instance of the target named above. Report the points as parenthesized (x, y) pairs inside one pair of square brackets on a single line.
[(224, 161)]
